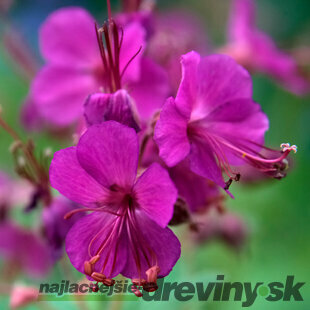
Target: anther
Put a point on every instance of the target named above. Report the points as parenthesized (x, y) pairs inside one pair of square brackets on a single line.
[(94, 259), (152, 274), (150, 286), (108, 282), (138, 282), (88, 268), (227, 184), (287, 147), (136, 291), (99, 277)]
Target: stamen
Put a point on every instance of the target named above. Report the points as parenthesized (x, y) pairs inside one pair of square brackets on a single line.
[(287, 147), (138, 282), (152, 273), (99, 277), (103, 209), (136, 291), (129, 62), (88, 269), (108, 282)]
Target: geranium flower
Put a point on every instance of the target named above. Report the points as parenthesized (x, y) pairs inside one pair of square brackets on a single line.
[(258, 52), (126, 233), (214, 123), (77, 66)]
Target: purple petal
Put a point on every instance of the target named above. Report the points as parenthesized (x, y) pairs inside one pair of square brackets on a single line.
[(71, 180), (221, 80), (133, 40), (78, 239), (59, 93), (102, 107), (187, 93), (203, 162), (171, 134), (109, 153), (156, 194), (152, 89), (161, 241), (196, 190), (68, 38)]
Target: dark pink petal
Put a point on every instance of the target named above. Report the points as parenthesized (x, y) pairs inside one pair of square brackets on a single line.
[(156, 194), (133, 40), (102, 107), (71, 180), (203, 162), (162, 242), (68, 38), (221, 80), (59, 93), (97, 227), (187, 93), (109, 153), (171, 134), (152, 89)]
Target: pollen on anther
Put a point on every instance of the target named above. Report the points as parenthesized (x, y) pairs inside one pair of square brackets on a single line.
[(287, 147)]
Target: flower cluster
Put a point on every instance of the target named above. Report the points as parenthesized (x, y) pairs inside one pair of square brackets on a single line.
[(162, 127)]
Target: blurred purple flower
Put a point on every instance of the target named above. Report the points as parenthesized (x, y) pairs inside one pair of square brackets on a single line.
[(176, 33), (227, 227), (24, 250), (257, 51), (100, 174), (55, 226), (74, 68), (214, 123)]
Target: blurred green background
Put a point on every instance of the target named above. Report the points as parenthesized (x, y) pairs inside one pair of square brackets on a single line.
[(277, 212)]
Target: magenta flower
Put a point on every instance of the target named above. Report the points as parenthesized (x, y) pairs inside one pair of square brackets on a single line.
[(127, 231), (77, 66), (214, 123), (257, 51)]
